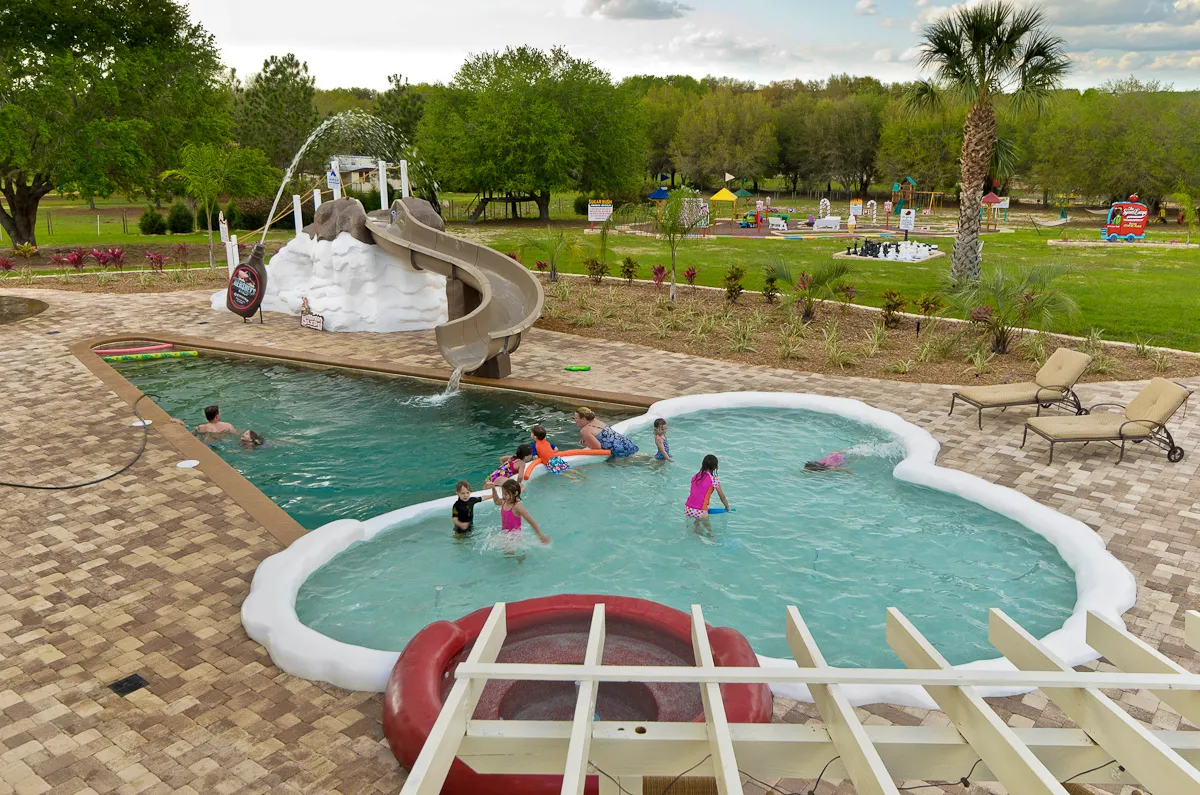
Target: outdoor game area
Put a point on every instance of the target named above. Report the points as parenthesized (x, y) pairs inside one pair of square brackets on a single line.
[(533, 429)]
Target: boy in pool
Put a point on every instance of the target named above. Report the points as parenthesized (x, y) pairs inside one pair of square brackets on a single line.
[(547, 454), (834, 462), (463, 512)]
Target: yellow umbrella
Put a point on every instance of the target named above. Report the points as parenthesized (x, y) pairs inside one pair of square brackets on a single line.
[(724, 195)]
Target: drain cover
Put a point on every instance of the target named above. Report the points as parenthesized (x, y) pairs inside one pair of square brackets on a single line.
[(123, 687)]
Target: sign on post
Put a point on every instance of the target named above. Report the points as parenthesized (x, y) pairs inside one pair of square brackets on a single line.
[(599, 210), (223, 225), (404, 191), (308, 320), (333, 181), (908, 219), (856, 207)]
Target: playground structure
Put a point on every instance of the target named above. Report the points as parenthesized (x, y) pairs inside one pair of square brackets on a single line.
[(905, 194), (1109, 746)]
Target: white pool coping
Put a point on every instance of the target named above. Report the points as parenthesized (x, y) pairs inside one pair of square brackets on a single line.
[(1102, 584)]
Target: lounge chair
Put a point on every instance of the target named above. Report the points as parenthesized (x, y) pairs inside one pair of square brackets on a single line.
[(1054, 383), (1143, 420)]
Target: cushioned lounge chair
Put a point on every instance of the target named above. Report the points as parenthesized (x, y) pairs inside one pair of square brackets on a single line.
[(1143, 420), (1054, 383)]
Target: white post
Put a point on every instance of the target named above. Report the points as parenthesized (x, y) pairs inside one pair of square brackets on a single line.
[(297, 214), (337, 186), (233, 254), (316, 198), (404, 179), (383, 197)]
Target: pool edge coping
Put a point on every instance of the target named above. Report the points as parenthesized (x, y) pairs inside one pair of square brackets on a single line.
[(275, 520)]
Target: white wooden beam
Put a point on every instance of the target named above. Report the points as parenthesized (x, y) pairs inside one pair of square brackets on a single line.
[(729, 781), (1191, 629), (576, 770), (1149, 759), (1135, 656), (860, 758), (1015, 766), (953, 677), (429, 772)]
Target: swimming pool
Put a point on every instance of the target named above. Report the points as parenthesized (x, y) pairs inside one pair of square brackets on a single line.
[(942, 546), (349, 445)]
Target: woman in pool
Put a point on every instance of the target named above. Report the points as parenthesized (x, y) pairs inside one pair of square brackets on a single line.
[(834, 462), (511, 467), (598, 435), (704, 483), (512, 512)]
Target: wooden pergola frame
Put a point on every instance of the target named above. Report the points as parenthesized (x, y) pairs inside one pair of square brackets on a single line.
[(1109, 746)]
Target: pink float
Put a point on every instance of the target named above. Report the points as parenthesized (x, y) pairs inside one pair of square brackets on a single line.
[(554, 629), (123, 351)]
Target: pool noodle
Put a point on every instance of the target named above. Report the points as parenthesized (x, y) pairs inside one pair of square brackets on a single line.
[(565, 454), (145, 349), (143, 357), (712, 511)]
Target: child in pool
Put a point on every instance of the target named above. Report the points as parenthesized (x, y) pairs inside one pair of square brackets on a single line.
[(511, 467), (463, 512), (834, 462), (660, 441), (512, 511), (704, 483), (545, 452)]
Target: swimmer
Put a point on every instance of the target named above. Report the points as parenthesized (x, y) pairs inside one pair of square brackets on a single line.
[(704, 483), (251, 440), (660, 441), (512, 512), (834, 462), (545, 450), (512, 467), (463, 512), (214, 426)]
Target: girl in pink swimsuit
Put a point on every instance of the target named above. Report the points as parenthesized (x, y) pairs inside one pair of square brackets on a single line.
[(512, 512), (834, 462), (704, 483)]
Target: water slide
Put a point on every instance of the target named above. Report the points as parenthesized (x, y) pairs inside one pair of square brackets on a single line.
[(491, 297)]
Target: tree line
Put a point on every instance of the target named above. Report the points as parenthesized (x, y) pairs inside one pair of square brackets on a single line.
[(105, 96)]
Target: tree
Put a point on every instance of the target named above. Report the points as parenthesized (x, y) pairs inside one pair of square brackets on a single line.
[(661, 108), (209, 171), (1009, 301), (799, 156), (679, 218), (276, 110), (726, 131), (983, 54), (923, 146), (401, 108), (557, 245), (850, 130), (523, 123), (94, 93)]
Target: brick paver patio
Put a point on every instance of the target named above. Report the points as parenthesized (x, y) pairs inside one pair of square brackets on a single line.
[(145, 573)]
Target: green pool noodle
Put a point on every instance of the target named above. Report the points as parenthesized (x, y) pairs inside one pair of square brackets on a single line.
[(578, 368), (143, 357)]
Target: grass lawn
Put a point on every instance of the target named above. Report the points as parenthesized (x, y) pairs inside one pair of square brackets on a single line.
[(1127, 292)]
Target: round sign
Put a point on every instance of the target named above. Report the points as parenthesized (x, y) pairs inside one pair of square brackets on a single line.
[(244, 288)]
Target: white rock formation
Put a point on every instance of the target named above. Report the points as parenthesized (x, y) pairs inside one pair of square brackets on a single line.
[(355, 286)]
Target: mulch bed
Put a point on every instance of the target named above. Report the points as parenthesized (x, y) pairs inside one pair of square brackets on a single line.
[(703, 324), (127, 283)]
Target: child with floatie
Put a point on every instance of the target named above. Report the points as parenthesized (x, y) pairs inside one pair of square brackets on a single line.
[(547, 453)]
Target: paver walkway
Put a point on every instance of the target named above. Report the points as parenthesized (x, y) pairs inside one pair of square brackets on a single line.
[(146, 572)]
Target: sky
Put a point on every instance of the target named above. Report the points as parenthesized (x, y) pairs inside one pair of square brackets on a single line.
[(359, 43)]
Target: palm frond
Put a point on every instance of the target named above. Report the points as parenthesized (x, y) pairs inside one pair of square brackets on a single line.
[(923, 96)]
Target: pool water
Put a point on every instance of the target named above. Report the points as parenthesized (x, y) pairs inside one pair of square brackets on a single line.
[(841, 547), (343, 445)]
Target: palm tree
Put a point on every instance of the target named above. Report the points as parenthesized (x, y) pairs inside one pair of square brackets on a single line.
[(556, 244), (209, 171), (1009, 301), (681, 215), (985, 54), (821, 285)]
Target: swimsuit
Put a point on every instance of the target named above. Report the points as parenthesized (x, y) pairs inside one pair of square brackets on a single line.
[(833, 460), (618, 444), (506, 470), (464, 511), (703, 486), (509, 521), (665, 448), (555, 464)]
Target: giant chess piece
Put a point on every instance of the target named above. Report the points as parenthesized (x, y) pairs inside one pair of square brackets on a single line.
[(247, 285)]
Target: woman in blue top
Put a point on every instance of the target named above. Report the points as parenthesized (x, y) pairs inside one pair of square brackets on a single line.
[(599, 436)]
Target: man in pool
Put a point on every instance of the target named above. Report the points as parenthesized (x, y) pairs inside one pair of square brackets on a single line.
[(214, 425)]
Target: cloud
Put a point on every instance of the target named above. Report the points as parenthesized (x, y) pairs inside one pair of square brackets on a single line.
[(865, 8), (635, 9), (721, 45), (883, 56)]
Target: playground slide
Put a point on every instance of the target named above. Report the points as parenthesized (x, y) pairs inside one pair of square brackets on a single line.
[(501, 298)]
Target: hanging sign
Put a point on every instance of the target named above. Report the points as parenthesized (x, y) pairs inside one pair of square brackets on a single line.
[(856, 207), (599, 210), (908, 219), (223, 225)]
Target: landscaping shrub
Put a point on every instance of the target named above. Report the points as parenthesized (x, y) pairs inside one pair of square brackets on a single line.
[(930, 304), (658, 274), (152, 222), (6, 264), (156, 261), (179, 219), (690, 275), (248, 214), (893, 305), (179, 254), (581, 205), (597, 269), (25, 251), (846, 293), (770, 288), (1009, 301), (733, 283), (629, 269), (116, 258), (541, 264)]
